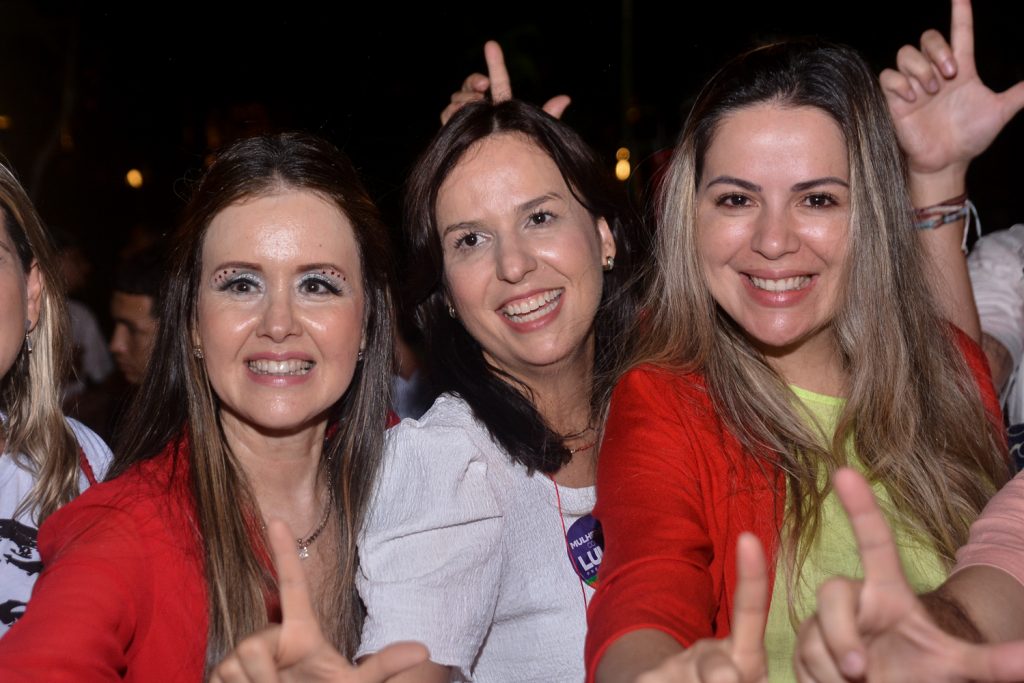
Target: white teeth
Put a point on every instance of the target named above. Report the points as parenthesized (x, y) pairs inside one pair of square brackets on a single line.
[(281, 367), (783, 285), (533, 308)]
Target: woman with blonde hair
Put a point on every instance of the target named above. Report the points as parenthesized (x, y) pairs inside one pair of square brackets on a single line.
[(791, 331), (47, 459)]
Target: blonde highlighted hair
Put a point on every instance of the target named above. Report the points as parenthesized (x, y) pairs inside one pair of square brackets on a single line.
[(35, 432), (913, 409)]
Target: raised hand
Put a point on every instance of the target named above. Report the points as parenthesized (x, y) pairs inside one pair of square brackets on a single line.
[(296, 650), (740, 657), (476, 85), (944, 115), (877, 629)]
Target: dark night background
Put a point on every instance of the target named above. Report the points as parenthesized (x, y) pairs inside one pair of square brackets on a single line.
[(90, 90)]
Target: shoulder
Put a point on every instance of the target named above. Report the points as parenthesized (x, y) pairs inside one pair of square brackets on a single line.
[(661, 389), (443, 465), (446, 438), (95, 449)]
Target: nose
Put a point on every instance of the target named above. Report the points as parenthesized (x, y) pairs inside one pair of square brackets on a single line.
[(119, 339), (514, 259), (775, 234), (279, 318)]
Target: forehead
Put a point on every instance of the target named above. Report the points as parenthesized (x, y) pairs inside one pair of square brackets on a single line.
[(291, 226), (774, 136), (499, 169), (125, 305)]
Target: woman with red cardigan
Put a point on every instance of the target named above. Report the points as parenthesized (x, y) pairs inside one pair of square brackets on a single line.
[(790, 332)]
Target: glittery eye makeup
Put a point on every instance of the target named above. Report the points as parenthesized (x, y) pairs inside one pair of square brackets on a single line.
[(236, 279), (322, 280)]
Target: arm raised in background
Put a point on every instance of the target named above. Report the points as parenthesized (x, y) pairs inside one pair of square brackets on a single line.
[(476, 86), (945, 117)]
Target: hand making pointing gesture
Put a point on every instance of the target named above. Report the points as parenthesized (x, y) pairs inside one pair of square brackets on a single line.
[(476, 85), (739, 658), (296, 649), (877, 629)]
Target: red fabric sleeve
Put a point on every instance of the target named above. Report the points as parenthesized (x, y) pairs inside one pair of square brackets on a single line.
[(978, 364), (670, 511), (81, 617)]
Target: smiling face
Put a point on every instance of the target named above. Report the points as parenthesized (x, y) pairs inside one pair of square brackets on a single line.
[(280, 311), (522, 257), (773, 213), (20, 296)]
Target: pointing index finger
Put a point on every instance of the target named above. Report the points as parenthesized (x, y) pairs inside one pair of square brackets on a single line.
[(501, 86), (961, 30), (296, 606), (877, 549), (750, 604)]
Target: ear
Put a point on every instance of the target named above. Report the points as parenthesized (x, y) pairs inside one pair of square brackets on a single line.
[(607, 239), (34, 295)]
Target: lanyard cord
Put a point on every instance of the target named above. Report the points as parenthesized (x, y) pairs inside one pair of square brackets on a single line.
[(565, 539)]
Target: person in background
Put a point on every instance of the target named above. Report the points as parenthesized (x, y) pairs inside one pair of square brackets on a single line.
[(133, 307)]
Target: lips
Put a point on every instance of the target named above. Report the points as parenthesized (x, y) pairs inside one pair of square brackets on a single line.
[(533, 307), (787, 284), (289, 367)]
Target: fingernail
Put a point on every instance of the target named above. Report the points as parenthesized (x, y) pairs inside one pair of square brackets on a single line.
[(948, 68), (853, 664), (933, 85)]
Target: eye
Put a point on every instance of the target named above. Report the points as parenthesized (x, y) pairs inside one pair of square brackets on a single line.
[(239, 284), (541, 217), (469, 239), (820, 200), (317, 284), (733, 200)]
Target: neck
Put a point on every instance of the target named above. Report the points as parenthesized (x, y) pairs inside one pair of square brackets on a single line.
[(814, 365), (281, 469)]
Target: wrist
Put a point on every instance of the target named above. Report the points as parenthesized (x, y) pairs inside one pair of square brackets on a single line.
[(932, 187), (950, 616)]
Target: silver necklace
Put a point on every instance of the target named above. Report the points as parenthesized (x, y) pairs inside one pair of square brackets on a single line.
[(304, 543)]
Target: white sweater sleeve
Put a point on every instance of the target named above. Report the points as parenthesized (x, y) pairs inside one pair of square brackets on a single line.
[(431, 550), (997, 275)]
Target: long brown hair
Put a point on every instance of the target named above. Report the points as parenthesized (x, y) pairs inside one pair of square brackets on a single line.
[(914, 410), (176, 398), (35, 432)]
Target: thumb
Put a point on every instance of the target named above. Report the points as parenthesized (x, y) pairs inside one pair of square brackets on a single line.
[(750, 607), (557, 105), (1012, 100), (391, 661)]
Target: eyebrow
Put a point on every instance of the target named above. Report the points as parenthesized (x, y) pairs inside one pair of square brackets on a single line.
[(239, 265), (522, 208), (798, 187), (245, 265)]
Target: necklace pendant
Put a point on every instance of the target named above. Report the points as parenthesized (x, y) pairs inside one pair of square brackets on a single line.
[(303, 552)]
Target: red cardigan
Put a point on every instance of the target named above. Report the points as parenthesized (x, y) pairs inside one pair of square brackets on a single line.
[(122, 595), (674, 491)]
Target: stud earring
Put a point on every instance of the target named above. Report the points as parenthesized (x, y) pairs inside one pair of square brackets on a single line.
[(451, 311), (609, 263), (359, 356), (197, 351)]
